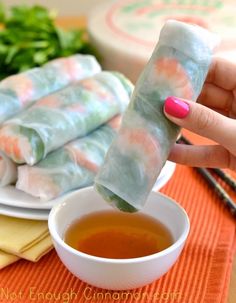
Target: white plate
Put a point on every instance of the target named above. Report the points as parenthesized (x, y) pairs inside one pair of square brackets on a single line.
[(16, 203), (25, 213), (11, 196)]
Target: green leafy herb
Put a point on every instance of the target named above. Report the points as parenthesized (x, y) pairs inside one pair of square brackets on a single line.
[(29, 38)]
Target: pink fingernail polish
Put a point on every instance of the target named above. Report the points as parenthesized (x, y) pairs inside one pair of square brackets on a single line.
[(176, 107)]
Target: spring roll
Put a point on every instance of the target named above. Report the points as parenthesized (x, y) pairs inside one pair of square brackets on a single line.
[(178, 67), (63, 116), (19, 91), (70, 167), (8, 170)]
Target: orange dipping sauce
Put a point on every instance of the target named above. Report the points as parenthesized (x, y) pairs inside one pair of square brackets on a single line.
[(118, 235)]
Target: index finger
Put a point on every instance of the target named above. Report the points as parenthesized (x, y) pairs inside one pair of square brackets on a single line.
[(222, 73)]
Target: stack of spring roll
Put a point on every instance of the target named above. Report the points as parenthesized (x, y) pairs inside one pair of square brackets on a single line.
[(57, 123)]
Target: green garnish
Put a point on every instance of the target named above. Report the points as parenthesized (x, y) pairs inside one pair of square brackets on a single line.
[(35, 141), (29, 38), (115, 200)]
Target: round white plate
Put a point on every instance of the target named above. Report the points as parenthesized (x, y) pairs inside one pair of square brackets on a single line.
[(11, 196), (24, 213), (16, 203)]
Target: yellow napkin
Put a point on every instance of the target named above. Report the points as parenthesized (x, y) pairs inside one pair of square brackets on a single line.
[(18, 235), (32, 254), (23, 238), (7, 259), (35, 252)]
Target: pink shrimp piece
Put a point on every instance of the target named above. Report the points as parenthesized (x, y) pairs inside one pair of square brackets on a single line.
[(89, 84), (10, 145), (5, 144), (22, 85), (69, 67), (82, 159), (73, 68), (173, 73), (77, 108), (49, 101), (93, 85), (141, 143), (16, 149)]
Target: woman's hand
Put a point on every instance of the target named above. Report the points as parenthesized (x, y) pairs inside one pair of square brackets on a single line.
[(212, 117)]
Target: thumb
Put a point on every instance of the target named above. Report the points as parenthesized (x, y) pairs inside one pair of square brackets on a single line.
[(201, 120)]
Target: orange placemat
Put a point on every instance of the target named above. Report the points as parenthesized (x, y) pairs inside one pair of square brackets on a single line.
[(201, 274)]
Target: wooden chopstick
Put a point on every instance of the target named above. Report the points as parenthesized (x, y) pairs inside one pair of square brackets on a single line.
[(225, 177), (208, 177), (221, 193)]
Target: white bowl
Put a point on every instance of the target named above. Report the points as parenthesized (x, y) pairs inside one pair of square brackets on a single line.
[(117, 274)]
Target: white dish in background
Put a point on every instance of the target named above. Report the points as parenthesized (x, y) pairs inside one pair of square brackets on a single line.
[(117, 23), (16, 203)]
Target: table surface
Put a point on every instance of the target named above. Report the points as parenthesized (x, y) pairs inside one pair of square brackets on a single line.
[(68, 22)]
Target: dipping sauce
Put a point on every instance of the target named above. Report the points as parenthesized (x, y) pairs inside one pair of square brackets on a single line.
[(118, 235)]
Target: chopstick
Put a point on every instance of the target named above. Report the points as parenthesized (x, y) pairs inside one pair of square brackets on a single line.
[(209, 178), (222, 194), (225, 177)]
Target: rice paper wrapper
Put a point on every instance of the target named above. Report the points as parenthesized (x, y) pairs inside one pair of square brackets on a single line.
[(63, 116), (21, 90), (177, 67), (70, 167), (8, 170)]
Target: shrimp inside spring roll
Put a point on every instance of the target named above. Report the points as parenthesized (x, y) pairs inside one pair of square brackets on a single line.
[(177, 67)]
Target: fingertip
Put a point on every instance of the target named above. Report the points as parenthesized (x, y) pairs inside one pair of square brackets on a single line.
[(176, 107)]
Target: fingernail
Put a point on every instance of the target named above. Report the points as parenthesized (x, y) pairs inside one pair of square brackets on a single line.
[(176, 107)]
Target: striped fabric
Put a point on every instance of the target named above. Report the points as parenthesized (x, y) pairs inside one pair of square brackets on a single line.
[(201, 274)]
